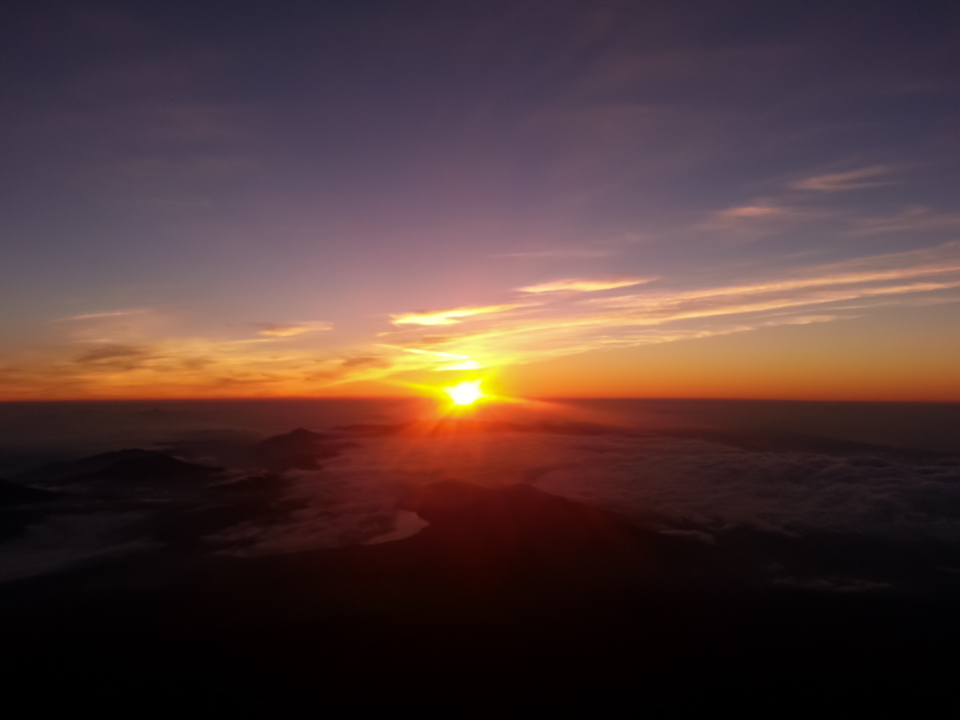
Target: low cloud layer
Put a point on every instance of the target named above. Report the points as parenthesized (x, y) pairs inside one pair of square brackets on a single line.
[(694, 487), (679, 484)]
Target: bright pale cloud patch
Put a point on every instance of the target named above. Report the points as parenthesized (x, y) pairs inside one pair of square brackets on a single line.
[(448, 317), (586, 284)]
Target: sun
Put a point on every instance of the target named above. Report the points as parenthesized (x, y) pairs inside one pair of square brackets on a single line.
[(466, 393)]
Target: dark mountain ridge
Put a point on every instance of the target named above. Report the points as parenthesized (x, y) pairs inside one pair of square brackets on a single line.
[(510, 595), (16, 494)]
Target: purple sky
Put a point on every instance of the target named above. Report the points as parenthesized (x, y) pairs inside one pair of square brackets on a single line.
[(281, 198)]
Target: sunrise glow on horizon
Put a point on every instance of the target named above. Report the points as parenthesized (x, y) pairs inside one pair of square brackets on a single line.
[(483, 354), (576, 217)]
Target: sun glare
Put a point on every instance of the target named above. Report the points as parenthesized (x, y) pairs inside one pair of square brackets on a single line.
[(466, 393)]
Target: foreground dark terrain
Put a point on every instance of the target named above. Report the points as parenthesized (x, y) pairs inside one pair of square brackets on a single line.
[(510, 595)]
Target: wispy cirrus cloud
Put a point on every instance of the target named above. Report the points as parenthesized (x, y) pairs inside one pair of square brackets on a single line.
[(757, 220), (449, 317), (586, 284), (849, 180), (763, 216), (272, 330), (559, 326), (800, 205), (101, 315), (560, 253), (111, 361), (780, 287), (909, 219), (751, 211)]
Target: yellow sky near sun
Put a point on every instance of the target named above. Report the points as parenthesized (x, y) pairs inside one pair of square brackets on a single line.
[(857, 359), (871, 328)]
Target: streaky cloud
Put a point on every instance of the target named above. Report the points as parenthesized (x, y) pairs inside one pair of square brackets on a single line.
[(560, 253), (785, 285), (586, 284), (910, 219), (102, 315), (147, 362), (751, 211), (558, 327), (850, 180), (449, 317), (293, 329)]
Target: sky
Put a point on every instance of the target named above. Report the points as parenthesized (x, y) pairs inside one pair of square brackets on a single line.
[(566, 199)]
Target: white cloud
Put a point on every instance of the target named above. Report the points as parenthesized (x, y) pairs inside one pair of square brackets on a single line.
[(664, 482)]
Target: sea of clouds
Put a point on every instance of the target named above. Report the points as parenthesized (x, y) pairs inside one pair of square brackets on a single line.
[(697, 487), (659, 481)]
